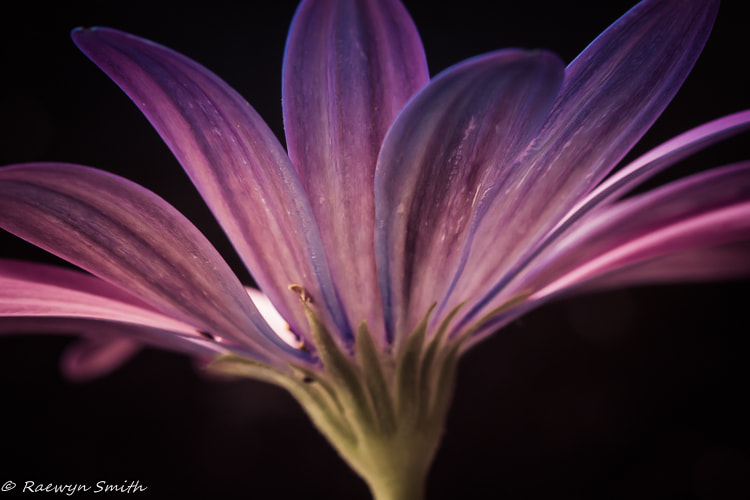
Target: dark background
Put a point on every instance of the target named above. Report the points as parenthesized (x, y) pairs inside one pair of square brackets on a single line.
[(630, 394)]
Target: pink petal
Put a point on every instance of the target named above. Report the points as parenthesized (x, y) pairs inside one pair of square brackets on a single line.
[(711, 209), (48, 298), (101, 332), (33, 290), (349, 68), (626, 179), (613, 92), (449, 153), (721, 262), (87, 359), (656, 160), (234, 160), (130, 237), (696, 229)]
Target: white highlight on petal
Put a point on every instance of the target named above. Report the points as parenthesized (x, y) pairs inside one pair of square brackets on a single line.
[(274, 318)]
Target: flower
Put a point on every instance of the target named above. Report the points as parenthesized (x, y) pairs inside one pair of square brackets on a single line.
[(500, 141)]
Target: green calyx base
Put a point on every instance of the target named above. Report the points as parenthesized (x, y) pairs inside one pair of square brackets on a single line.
[(383, 412)]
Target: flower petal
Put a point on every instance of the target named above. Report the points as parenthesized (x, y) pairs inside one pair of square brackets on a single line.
[(721, 262), (655, 161), (51, 298), (233, 159), (613, 91), (88, 359), (695, 229), (711, 209), (274, 319), (33, 290), (98, 331), (628, 178), (130, 237), (451, 150), (349, 68)]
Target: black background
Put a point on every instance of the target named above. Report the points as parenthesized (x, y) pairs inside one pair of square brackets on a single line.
[(630, 394)]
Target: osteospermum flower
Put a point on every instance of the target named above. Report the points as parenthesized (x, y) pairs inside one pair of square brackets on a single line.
[(409, 219)]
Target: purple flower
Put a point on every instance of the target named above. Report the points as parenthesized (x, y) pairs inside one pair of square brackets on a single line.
[(409, 220)]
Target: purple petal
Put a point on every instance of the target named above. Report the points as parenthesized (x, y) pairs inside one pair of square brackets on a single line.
[(37, 290), (711, 209), (656, 160), (234, 160), (614, 91), (721, 262), (629, 177), (349, 68), (696, 229), (451, 150), (98, 331), (130, 237), (612, 94), (43, 298), (88, 359)]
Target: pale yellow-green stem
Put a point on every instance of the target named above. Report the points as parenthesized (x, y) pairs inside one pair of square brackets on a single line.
[(384, 412), (382, 409)]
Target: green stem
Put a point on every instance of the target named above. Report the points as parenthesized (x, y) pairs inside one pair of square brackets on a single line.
[(394, 466), (383, 411), (411, 488)]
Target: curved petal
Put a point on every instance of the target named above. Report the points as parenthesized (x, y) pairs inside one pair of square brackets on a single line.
[(101, 332), (450, 151), (613, 91), (233, 159), (711, 209), (89, 359), (274, 319), (656, 160), (696, 229), (720, 262), (628, 178), (130, 237), (47, 298), (631, 264), (38, 290), (349, 68)]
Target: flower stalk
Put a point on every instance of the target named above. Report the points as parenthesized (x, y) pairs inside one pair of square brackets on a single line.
[(383, 410)]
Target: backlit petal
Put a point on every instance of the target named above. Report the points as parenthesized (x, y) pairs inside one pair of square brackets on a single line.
[(349, 68), (97, 331), (130, 237), (695, 229), (452, 150), (29, 289), (613, 92), (232, 157), (711, 209), (627, 178), (89, 359), (657, 160), (721, 262)]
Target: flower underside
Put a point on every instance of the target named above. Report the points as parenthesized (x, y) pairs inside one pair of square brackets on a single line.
[(383, 409), (417, 215)]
